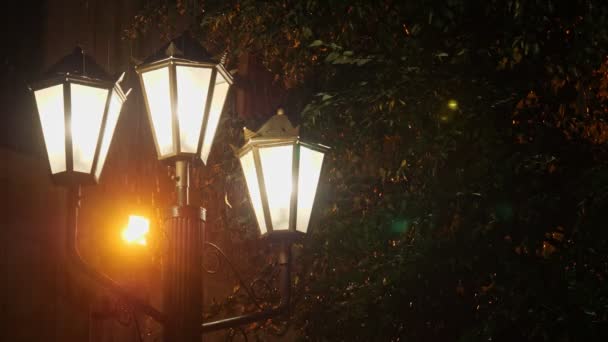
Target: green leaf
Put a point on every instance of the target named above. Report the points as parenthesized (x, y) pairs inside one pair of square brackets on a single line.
[(326, 97), (307, 33), (332, 57), (316, 43), (362, 61)]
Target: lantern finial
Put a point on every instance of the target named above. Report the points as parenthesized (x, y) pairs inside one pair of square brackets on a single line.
[(172, 50), (278, 126), (248, 133)]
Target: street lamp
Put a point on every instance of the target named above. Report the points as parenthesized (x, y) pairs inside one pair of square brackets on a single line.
[(185, 92), (282, 173), (78, 107)]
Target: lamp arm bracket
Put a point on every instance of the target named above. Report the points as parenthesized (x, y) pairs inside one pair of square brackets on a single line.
[(236, 321), (102, 279)]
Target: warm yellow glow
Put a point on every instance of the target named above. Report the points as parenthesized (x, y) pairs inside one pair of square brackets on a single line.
[(192, 89), (156, 84), (137, 229), (88, 105), (248, 165), (217, 105), (310, 169), (50, 108), (453, 104), (277, 169), (113, 112)]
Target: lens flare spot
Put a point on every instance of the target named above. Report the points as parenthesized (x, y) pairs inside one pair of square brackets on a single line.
[(400, 225)]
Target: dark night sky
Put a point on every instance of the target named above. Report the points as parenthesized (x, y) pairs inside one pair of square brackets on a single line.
[(22, 24)]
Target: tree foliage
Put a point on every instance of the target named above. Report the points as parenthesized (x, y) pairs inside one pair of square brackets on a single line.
[(464, 194)]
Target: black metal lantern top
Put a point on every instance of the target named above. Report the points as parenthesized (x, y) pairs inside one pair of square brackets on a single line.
[(78, 106), (282, 174), (185, 91)]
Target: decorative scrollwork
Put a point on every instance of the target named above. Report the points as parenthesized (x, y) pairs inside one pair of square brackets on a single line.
[(261, 289), (211, 261), (125, 315), (236, 273), (279, 329), (122, 313), (232, 333)]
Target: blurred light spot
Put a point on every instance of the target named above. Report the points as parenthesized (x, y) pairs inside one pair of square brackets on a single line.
[(453, 104), (136, 230)]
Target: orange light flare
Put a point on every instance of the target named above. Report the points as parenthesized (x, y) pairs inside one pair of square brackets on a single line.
[(136, 230)]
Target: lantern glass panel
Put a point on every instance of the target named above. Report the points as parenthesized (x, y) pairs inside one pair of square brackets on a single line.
[(88, 105), (249, 170), (108, 132), (192, 90), (308, 179), (277, 170), (51, 111), (158, 95), (220, 91)]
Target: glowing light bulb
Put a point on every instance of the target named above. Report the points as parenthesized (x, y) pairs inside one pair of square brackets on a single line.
[(136, 230)]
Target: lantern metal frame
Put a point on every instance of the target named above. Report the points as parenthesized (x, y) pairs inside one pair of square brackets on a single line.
[(171, 62), (277, 133), (69, 176)]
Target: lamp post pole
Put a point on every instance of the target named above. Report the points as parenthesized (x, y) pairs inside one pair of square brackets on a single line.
[(182, 272)]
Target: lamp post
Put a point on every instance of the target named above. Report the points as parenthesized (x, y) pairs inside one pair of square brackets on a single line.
[(78, 106), (184, 92)]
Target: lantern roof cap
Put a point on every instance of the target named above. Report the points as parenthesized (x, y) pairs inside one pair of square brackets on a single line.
[(277, 126), (77, 63), (183, 46)]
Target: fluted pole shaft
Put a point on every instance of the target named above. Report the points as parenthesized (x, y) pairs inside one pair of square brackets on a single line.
[(181, 265)]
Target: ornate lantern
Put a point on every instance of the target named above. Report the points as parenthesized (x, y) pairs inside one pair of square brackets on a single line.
[(78, 107), (185, 93), (282, 174)]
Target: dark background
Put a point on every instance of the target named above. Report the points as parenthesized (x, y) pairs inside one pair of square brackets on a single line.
[(22, 57)]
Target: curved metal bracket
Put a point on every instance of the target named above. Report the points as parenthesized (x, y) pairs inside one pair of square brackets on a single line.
[(242, 283), (283, 308), (73, 203)]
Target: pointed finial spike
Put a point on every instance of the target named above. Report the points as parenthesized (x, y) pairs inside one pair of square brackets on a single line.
[(248, 133), (172, 50), (122, 76)]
